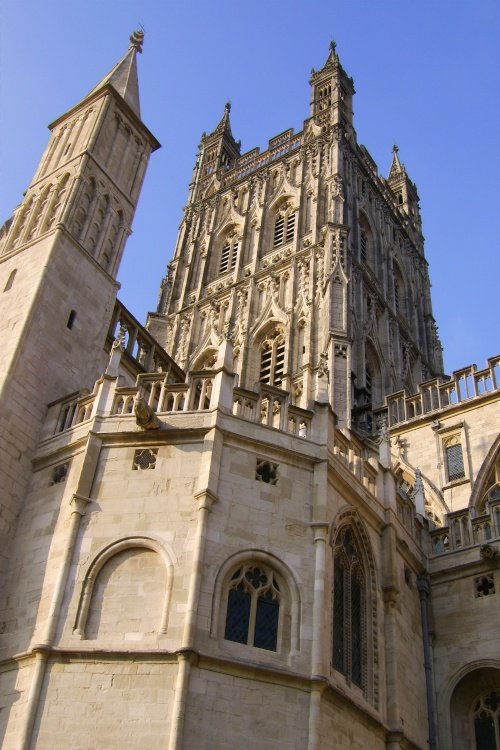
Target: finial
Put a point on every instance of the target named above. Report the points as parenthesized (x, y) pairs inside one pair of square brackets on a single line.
[(395, 149), (227, 106), (333, 46), (137, 39)]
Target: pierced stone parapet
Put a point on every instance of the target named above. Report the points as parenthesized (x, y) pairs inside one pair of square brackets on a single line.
[(270, 406), (438, 394), (464, 530)]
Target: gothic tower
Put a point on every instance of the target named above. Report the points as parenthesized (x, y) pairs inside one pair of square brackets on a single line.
[(59, 257), (311, 259)]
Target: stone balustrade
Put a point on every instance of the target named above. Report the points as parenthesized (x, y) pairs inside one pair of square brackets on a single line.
[(270, 406), (141, 347), (437, 394), (267, 405), (466, 530)]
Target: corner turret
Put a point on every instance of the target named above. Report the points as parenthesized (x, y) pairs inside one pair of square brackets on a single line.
[(331, 92), (217, 153), (404, 190)]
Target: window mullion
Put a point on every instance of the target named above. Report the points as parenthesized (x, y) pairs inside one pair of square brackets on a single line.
[(251, 623)]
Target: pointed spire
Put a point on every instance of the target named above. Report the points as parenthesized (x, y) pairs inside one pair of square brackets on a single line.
[(123, 77), (397, 169), (330, 62), (224, 125)]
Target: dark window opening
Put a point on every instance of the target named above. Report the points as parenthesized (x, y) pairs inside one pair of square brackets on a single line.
[(253, 608), (10, 280), (71, 319), (349, 611)]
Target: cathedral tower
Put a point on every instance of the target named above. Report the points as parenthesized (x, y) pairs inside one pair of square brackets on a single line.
[(310, 259), (59, 257)]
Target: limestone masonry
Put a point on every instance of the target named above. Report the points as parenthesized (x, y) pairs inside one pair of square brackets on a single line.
[(266, 518)]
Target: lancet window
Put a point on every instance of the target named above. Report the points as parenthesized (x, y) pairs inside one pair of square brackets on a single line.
[(284, 227), (349, 610), (272, 358), (229, 254), (455, 468), (324, 97)]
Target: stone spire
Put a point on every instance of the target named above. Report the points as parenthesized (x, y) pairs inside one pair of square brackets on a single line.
[(123, 77), (224, 126), (397, 169)]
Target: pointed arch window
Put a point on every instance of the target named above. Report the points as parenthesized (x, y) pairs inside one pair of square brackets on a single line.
[(486, 717), (272, 358), (454, 458), (349, 610), (253, 607), (284, 226), (366, 242), (229, 254)]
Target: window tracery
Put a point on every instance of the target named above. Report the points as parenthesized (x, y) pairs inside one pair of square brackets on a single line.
[(253, 607), (349, 654), (486, 719)]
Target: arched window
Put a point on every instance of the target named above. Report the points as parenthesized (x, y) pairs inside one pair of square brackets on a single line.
[(349, 610), (20, 226), (57, 202), (284, 226), (399, 291), (365, 241), (253, 607), (486, 718), (490, 489), (272, 358), (373, 376), (455, 468), (229, 254)]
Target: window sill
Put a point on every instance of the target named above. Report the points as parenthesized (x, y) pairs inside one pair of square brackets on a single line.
[(456, 483)]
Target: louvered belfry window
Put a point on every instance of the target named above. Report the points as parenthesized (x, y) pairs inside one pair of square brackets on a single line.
[(284, 227), (229, 255), (349, 610), (272, 359), (253, 607)]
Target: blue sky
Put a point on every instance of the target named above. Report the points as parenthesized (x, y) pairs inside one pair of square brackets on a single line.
[(426, 75)]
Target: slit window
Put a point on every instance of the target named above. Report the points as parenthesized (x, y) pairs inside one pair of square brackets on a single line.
[(10, 280), (71, 319)]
